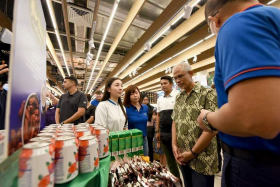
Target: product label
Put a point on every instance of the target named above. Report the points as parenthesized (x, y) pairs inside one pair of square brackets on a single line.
[(121, 146), (115, 147), (128, 144)]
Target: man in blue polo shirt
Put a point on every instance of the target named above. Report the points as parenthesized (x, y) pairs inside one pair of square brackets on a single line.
[(98, 98), (247, 79)]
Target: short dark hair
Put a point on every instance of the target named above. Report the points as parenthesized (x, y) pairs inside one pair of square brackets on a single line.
[(128, 91), (74, 79), (99, 92), (88, 97), (167, 78), (214, 5)]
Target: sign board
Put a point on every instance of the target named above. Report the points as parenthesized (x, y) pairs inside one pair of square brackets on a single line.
[(27, 76)]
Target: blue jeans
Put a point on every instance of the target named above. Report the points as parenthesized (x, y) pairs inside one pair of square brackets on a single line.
[(193, 179), (145, 146), (240, 172)]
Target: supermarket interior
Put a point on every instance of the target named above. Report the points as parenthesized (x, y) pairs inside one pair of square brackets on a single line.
[(147, 93)]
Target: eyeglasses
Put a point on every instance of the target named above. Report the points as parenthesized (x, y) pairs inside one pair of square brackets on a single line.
[(208, 21), (179, 77)]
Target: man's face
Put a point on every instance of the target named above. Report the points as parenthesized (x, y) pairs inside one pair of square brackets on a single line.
[(182, 78), (166, 86), (67, 84), (99, 96)]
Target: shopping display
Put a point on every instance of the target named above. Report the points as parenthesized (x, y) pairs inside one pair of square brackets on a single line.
[(62, 152), (137, 172)]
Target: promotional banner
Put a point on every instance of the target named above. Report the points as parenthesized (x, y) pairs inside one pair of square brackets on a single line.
[(27, 76)]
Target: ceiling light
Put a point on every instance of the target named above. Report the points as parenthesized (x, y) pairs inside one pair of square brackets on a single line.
[(153, 41), (130, 75), (91, 44), (148, 46), (270, 2), (51, 11), (188, 11), (196, 3), (195, 59), (103, 39), (209, 36), (177, 19)]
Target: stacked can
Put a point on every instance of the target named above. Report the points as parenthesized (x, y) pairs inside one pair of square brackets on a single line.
[(36, 167), (88, 154), (102, 135)]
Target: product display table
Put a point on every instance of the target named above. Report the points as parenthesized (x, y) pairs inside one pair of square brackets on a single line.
[(97, 178)]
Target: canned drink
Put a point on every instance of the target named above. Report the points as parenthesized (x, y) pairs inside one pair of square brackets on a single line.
[(36, 167), (46, 135), (66, 134), (65, 131), (93, 126), (41, 139), (88, 154), (103, 140), (82, 132), (81, 128), (66, 159), (48, 131)]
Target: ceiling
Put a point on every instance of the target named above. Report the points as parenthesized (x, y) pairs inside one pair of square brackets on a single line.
[(135, 24)]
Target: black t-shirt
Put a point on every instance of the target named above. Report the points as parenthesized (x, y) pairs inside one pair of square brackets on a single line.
[(3, 97), (69, 104), (90, 111)]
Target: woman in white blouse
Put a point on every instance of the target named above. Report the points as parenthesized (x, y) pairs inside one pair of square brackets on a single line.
[(110, 112)]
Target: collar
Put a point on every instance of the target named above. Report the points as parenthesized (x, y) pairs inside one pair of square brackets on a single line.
[(171, 94), (73, 93), (196, 88), (111, 101), (252, 6), (135, 106)]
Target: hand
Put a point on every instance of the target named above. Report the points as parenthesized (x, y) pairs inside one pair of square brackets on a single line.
[(200, 120), (176, 154), (158, 136), (158, 145), (185, 157), (4, 70)]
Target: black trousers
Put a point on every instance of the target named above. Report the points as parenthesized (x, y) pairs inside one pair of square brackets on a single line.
[(238, 172), (150, 137)]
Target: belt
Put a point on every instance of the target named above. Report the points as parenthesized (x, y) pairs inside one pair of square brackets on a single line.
[(259, 157)]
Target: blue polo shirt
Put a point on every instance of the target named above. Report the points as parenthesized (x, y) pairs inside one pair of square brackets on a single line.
[(248, 46), (137, 119), (94, 102)]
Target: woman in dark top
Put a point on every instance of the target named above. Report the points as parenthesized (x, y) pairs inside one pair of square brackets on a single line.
[(90, 111), (150, 126)]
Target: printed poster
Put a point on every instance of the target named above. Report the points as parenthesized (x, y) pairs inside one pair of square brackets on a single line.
[(27, 77)]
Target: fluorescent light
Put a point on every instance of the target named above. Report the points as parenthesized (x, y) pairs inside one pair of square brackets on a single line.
[(188, 48), (57, 34), (196, 3), (177, 19), (102, 42), (270, 2), (131, 62), (160, 35), (209, 36)]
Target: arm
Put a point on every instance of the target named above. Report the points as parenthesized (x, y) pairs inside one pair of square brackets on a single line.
[(252, 109), (90, 120), (57, 115), (77, 115), (174, 144), (203, 141), (157, 127)]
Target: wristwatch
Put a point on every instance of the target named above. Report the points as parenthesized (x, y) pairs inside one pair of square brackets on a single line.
[(156, 131), (207, 124)]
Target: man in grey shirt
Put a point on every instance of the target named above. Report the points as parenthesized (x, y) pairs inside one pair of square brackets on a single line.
[(72, 105)]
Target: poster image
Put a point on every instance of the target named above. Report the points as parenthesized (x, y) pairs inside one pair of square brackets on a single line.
[(27, 77)]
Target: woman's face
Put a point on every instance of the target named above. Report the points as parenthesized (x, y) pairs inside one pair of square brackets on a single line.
[(134, 96), (145, 100), (116, 89)]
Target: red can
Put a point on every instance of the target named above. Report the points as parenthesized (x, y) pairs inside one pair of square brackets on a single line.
[(88, 154), (82, 132), (36, 167), (66, 159)]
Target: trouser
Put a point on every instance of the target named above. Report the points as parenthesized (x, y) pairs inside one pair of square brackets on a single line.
[(238, 172), (150, 137), (193, 179), (145, 146), (166, 144)]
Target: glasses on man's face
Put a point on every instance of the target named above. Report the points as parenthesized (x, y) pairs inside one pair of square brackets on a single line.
[(208, 20), (179, 77)]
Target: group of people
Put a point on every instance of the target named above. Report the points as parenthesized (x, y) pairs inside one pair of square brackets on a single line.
[(243, 109)]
